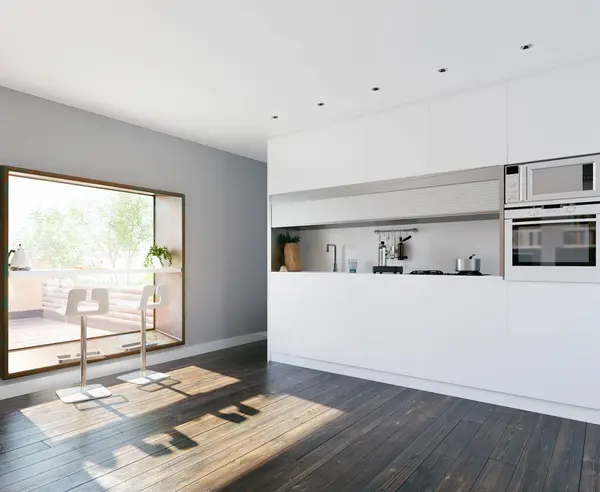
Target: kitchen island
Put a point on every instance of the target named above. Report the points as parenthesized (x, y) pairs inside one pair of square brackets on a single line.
[(530, 345)]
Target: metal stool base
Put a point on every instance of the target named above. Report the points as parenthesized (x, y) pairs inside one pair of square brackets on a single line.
[(79, 394), (137, 377)]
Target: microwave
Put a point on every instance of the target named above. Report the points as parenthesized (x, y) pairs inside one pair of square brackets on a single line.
[(552, 243), (564, 180)]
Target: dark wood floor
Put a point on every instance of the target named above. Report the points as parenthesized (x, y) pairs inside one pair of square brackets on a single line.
[(229, 422)]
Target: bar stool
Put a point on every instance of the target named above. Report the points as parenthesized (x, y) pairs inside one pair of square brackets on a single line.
[(144, 376), (76, 307)]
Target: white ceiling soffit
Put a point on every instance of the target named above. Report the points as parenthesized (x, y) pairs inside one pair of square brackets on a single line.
[(215, 71)]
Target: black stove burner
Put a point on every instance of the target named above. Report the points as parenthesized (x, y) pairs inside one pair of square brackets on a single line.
[(439, 272)]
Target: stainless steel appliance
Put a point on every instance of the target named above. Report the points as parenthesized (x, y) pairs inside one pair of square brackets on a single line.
[(470, 264), (555, 243), (558, 181)]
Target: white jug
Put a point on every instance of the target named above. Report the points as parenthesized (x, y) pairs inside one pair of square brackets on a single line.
[(20, 259)]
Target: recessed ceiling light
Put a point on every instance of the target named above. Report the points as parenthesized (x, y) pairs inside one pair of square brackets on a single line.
[(526, 47), (442, 70), (375, 89), (274, 117), (320, 104)]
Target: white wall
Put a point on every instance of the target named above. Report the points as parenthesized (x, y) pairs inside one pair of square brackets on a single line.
[(226, 206), (434, 247), (543, 115)]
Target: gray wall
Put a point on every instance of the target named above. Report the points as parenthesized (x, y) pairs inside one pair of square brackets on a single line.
[(226, 200)]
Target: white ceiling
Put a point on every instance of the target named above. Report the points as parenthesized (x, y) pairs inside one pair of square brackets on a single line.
[(214, 71)]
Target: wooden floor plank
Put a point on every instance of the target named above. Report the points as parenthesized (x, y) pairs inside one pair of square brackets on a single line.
[(513, 442), (61, 420), (465, 470), (532, 468), (143, 414), (494, 477), (564, 473), (426, 477), (394, 432), (183, 430), (186, 469), (403, 462), (590, 469), (137, 421), (231, 422), (51, 470), (305, 465), (257, 479)]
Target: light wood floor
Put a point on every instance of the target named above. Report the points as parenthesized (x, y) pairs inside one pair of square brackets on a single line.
[(32, 332), (227, 421)]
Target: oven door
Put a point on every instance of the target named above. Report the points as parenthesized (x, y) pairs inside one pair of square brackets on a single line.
[(564, 179), (554, 249)]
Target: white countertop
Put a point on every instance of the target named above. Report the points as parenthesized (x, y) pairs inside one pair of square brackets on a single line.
[(75, 272)]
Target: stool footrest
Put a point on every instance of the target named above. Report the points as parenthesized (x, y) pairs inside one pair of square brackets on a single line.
[(94, 354), (137, 345)]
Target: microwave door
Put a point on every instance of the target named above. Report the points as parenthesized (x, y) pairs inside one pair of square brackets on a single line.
[(567, 179)]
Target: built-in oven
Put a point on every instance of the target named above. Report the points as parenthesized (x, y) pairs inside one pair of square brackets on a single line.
[(555, 243), (563, 180)]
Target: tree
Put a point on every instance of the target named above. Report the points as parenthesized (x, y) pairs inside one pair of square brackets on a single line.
[(90, 233), (127, 227), (55, 237)]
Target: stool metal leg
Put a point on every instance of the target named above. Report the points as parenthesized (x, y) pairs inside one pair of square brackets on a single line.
[(143, 376), (83, 392)]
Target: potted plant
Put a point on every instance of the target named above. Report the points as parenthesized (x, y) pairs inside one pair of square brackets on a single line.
[(161, 253), (291, 252)]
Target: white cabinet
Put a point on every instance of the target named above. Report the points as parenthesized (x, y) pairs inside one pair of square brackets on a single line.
[(438, 201), (330, 156), (396, 143), (555, 114), (468, 130)]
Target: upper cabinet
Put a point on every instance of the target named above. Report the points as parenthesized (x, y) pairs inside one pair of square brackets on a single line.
[(396, 143), (322, 158), (555, 114), (468, 130)]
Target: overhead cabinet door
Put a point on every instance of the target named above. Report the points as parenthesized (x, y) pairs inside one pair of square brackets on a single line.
[(468, 130), (439, 201), (555, 114)]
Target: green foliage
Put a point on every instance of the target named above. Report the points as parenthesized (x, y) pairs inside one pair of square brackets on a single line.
[(87, 234), (160, 252), (127, 227), (57, 236), (286, 238)]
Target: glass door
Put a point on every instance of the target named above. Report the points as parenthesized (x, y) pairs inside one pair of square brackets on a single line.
[(557, 243)]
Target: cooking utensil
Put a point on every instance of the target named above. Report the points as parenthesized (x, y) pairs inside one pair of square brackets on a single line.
[(382, 254), (20, 259), (470, 264), (401, 250)]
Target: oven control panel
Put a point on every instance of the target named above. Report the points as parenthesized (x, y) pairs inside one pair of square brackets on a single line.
[(512, 185), (550, 212)]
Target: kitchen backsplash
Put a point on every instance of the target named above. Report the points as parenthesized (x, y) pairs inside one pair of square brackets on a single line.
[(434, 247)]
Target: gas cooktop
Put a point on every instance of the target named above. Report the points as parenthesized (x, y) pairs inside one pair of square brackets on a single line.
[(439, 272)]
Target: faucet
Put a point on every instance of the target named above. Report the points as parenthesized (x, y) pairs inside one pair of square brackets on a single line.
[(334, 246)]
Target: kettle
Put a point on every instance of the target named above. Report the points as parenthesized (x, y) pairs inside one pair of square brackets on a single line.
[(20, 259)]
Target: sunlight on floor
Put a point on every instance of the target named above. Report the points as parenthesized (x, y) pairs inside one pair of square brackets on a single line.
[(212, 439), (128, 402)]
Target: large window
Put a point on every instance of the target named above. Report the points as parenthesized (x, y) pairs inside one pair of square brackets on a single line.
[(64, 225), (76, 234)]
